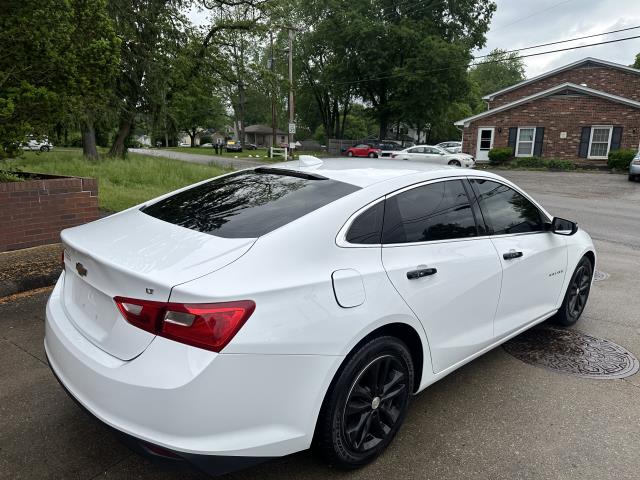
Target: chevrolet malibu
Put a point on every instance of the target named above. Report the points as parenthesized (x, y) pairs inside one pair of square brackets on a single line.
[(302, 304)]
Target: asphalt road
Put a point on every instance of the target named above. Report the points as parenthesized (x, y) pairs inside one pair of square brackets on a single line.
[(495, 418), (236, 163)]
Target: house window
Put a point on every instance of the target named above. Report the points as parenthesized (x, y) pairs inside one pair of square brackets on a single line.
[(524, 145), (600, 141)]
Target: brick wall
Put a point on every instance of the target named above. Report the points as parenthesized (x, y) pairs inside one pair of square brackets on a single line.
[(607, 79), (35, 211), (561, 113)]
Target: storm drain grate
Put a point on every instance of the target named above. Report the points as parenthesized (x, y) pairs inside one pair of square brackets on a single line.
[(599, 275), (572, 352)]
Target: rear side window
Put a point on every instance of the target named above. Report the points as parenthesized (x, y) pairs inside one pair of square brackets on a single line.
[(248, 204), (505, 210), (438, 211), (367, 227)]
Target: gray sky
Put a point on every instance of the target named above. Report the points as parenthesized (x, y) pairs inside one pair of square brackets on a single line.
[(521, 23)]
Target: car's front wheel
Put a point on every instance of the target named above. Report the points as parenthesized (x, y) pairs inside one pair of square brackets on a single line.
[(349, 154), (366, 404), (455, 163), (632, 178), (44, 148), (575, 299)]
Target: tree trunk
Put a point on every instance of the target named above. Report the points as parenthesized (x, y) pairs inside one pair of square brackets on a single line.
[(193, 138), (89, 148), (384, 123), (119, 147)]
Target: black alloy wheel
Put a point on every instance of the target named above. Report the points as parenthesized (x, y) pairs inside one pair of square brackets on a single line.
[(367, 403), (374, 403), (455, 163), (577, 294)]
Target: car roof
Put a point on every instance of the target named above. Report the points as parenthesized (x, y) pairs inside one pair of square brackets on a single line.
[(365, 172)]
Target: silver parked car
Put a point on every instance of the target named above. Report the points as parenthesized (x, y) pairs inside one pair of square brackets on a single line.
[(452, 146), (434, 154), (634, 168)]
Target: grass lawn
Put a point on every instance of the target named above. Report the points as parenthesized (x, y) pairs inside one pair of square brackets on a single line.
[(121, 183)]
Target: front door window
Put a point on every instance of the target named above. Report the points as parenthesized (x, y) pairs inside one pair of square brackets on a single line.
[(485, 143)]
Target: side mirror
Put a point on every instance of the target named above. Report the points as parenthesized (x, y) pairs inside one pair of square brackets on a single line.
[(561, 226)]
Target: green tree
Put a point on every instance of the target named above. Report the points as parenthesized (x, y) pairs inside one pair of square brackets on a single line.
[(636, 63), (152, 32), (96, 56), (35, 66), (496, 71)]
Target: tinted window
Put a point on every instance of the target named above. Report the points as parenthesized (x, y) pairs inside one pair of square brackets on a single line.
[(505, 210), (367, 227), (438, 211), (248, 204)]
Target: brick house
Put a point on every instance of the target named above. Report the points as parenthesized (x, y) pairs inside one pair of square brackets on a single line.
[(577, 112)]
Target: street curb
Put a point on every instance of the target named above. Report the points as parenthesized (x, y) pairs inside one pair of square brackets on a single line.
[(29, 269)]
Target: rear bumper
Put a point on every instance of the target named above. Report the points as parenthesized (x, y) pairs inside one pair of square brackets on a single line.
[(191, 401)]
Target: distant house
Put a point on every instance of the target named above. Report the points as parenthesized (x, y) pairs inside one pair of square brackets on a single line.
[(579, 111), (262, 136)]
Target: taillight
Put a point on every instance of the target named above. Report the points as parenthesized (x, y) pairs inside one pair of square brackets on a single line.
[(205, 325)]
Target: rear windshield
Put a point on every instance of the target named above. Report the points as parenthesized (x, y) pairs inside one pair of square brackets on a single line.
[(250, 203)]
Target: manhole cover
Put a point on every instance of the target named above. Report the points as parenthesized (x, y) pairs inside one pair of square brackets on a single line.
[(572, 352), (599, 276)]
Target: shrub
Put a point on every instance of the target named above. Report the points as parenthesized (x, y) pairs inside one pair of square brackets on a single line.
[(528, 162), (559, 164), (500, 155), (6, 176), (620, 159)]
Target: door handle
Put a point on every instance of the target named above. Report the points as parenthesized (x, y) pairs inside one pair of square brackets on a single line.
[(421, 272), (511, 254)]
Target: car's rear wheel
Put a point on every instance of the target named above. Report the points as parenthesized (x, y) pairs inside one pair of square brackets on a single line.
[(575, 299), (455, 163), (349, 154), (632, 178), (44, 148), (366, 404)]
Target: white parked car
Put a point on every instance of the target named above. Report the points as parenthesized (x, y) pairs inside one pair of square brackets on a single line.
[(248, 315), (452, 146), (433, 154), (43, 145)]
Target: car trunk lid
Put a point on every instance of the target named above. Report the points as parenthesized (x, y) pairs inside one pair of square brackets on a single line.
[(134, 255)]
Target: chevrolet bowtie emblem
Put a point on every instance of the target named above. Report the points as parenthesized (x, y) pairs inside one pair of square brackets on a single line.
[(81, 270)]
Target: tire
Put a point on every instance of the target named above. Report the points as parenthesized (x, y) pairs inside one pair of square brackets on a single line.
[(44, 148), (455, 163), (575, 299), (372, 155), (338, 437), (349, 154), (632, 178)]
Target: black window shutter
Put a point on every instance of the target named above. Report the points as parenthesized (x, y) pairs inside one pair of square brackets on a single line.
[(513, 135), (583, 149), (616, 138), (537, 146)]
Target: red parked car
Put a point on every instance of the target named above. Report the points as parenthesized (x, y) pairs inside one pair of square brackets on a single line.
[(363, 150)]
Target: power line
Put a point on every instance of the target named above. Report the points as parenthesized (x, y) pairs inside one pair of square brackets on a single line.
[(500, 27), (403, 74), (563, 41)]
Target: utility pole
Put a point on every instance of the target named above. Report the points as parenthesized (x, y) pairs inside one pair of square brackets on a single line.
[(274, 138), (291, 104)]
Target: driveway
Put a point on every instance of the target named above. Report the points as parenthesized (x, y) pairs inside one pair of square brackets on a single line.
[(495, 418), (235, 163)]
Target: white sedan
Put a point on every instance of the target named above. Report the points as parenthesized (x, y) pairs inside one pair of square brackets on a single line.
[(33, 144), (434, 154), (243, 317)]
